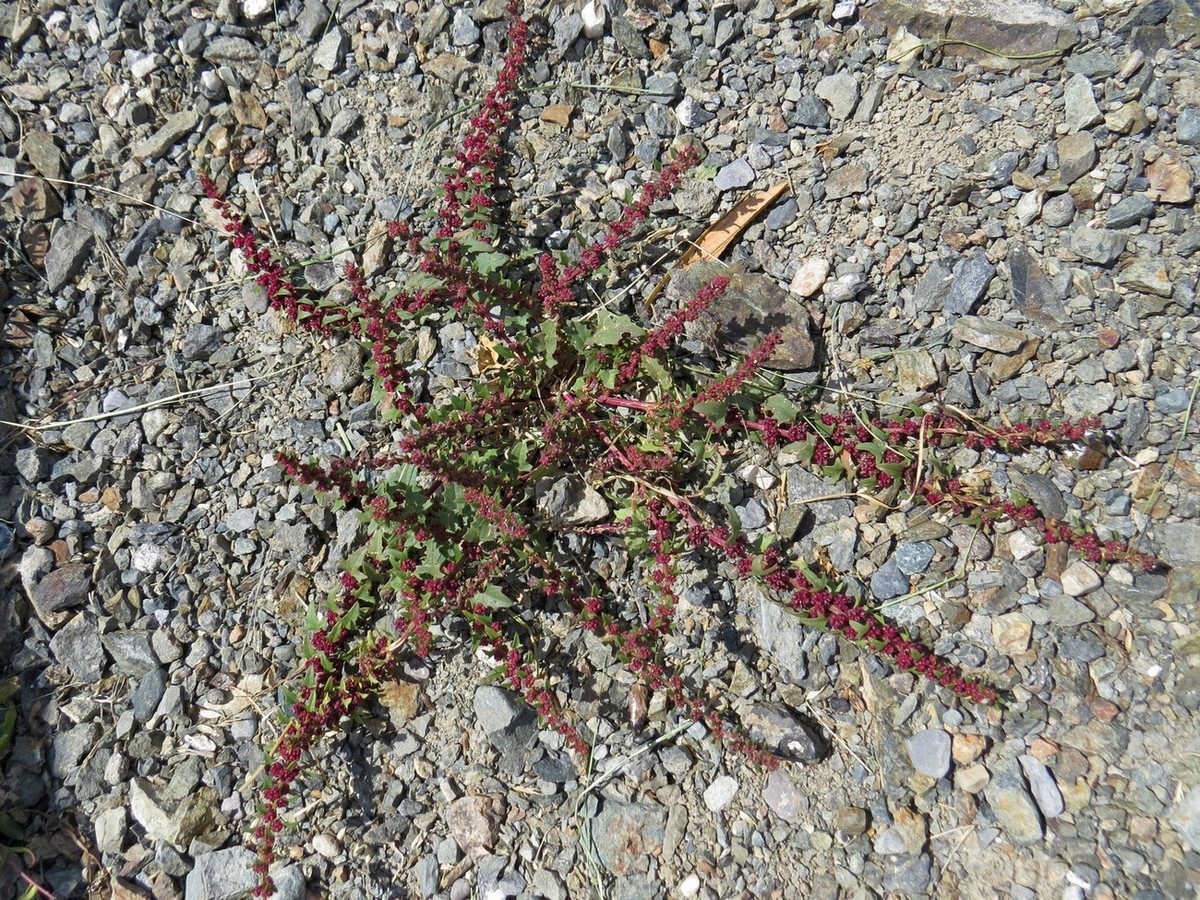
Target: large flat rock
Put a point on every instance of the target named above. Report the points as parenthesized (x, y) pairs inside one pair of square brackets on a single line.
[(1008, 28)]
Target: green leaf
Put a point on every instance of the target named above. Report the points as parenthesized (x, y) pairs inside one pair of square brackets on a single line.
[(875, 448), (781, 408), (7, 728), (489, 263), (834, 471), (493, 597), (658, 372), (548, 343), (612, 328), (11, 831), (520, 456), (713, 410), (734, 521)]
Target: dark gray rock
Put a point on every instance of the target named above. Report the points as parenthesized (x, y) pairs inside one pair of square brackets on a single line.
[(782, 731), (77, 646), (463, 32), (1076, 156), (779, 634), (1032, 290), (331, 49), (69, 250), (1028, 29), (567, 30), (803, 486), (1098, 245), (33, 463), (972, 276), (1012, 806), (510, 725), (1185, 816), (904, 874), (933, 290), (1129, 211), (297, 540), (889, 582), (1180, 542), (629, 38), (570, 502), (1187, 126), (840, 91), (426, 872), (811, 112), (914, 558), (200, 342), (1042, 491), (783, 215), (311, 22), (737, 174), (142, 240), (1058, 211), (71, 746), (1080, 101), (231, 50), (752, 308), (304, 118), (783, 797), (65, 588), (131, 652), (555, 768), (1043, 786), (148, 693), (229, 874)]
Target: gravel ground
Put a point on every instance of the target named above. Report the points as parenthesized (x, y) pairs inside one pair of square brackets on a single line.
[(1012, 236)]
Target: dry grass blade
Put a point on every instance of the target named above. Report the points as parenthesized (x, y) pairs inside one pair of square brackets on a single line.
[(153, 404)]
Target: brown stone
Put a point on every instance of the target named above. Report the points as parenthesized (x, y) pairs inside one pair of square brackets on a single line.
[(1043, 750), (845, 182), (966, 748), (989, 334), (1170, 180), (248, 111), (1105, 710), (63, 589), (558, 114), (1056, 561), (1004, 367), (35, 200), (474, 822), (402, 700)]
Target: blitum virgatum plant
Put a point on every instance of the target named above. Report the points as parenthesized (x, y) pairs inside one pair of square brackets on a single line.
[(578, 398)]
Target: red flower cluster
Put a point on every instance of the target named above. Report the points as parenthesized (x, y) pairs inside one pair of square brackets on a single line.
[(282, 293), (557, 288)]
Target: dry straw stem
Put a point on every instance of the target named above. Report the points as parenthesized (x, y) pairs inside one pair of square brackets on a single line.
[(83, 185), (152, 404), (1169, 468)]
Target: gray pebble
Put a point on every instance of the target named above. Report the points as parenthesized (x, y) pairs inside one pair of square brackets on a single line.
[(929, 752), (913, 559), (738, 174), (889, 582)]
